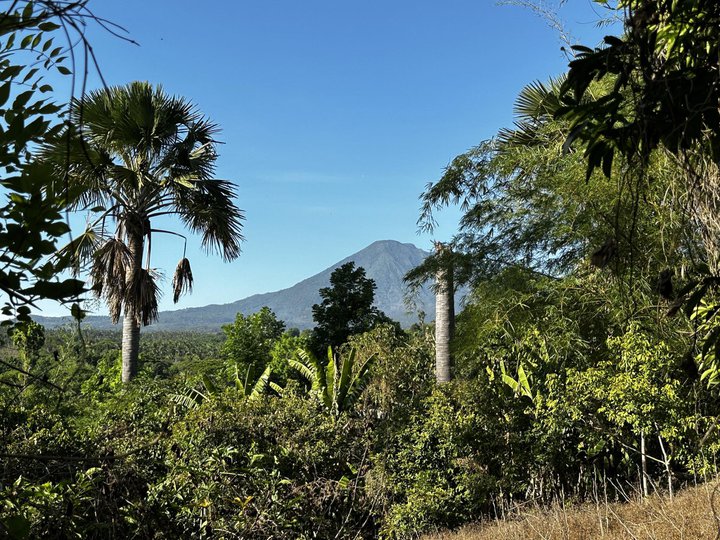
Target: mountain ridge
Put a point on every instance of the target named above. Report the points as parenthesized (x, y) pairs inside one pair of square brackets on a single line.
[(384, 261)]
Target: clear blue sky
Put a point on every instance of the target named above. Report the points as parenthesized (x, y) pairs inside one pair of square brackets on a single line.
[(334, 114)]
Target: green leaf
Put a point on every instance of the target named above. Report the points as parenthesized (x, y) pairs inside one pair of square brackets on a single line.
[(304, 370), (695, 300), (48, 26), (512, 383), (209, 385), (344, 483), (27, 11), (4, 93), (261, 385), (523, 382)]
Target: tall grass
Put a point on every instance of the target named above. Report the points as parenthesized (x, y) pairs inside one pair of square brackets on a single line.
[(692, 514)]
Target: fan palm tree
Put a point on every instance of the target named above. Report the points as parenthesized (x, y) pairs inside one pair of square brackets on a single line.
[(132, 154)]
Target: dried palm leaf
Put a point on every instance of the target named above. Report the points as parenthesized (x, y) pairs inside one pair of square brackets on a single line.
[(109, 270), (143, 293), (114, 301), (182, 280)]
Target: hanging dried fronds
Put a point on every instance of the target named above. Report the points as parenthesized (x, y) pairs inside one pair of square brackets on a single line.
[(108, 275), (114, 302), (143, 294), (110, 265), (182, 280)]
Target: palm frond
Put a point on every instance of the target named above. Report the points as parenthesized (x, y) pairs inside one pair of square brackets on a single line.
[(142, 295), (194, 155), (327, 391), (182, 280), (535, 105), (360, 380), (209, 210), (343, 384), (537, 100), (114, 301), (80, 250), (240, 385), (304, 366), (191, 398), (209, 385), (80, 171), (111, 262), (275, 387), (108, 275)]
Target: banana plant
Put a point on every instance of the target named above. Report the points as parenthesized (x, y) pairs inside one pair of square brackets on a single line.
[(252, 392), (521, 385), (193, 397), (340, 382)]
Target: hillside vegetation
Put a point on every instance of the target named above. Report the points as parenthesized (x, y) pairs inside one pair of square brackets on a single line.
[(581, 373)]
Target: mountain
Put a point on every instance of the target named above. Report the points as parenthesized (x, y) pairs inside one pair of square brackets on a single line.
[(384, 261)]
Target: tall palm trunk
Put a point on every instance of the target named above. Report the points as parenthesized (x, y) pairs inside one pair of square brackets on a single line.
[(444, 319), (131, 315)]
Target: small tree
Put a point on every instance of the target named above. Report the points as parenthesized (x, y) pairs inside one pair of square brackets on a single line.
[(28, 337), (346, 309), (250, 340)]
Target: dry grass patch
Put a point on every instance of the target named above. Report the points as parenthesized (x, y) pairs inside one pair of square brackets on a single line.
[(689, 515)]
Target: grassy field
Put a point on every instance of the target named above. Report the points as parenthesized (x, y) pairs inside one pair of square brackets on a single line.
[(689, 515)]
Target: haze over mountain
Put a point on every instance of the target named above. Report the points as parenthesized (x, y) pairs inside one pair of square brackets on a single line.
[(384, 261)]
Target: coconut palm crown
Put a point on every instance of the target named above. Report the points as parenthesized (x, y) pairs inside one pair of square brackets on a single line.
[(131, 154)]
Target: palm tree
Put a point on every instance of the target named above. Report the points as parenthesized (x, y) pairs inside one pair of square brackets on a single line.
[(444, 314), (131, 154)]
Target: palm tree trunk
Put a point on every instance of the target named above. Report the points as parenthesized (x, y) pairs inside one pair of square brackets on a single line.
[(444, 321), (131, 318)]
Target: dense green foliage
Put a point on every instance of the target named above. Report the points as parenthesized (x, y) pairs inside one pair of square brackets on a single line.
[(31, 47), (250, 341), (555, 388), (578, 376), (104, 460), (337, 384)]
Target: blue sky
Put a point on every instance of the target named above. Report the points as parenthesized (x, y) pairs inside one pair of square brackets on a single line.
[(334, 114)]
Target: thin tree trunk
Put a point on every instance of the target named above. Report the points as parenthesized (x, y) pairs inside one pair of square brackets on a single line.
[(444, 321), (643, 461), (131, 318), (666, 462)]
